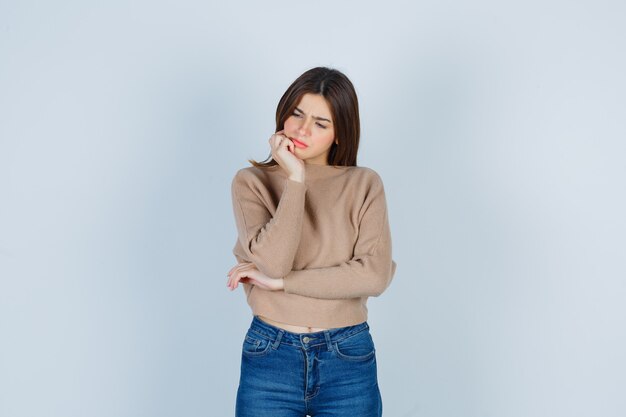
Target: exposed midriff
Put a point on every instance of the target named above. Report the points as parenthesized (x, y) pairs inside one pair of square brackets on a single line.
[(291, 327)]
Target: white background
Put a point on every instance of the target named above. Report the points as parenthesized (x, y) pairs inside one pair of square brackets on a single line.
[(499, 132)]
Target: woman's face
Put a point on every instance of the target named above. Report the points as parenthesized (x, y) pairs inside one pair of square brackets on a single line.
[(311, 129)]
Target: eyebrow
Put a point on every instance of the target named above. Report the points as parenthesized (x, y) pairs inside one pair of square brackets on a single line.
[(318, 118)]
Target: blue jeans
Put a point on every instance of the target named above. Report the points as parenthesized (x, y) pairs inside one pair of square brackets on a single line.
[(326, 373)]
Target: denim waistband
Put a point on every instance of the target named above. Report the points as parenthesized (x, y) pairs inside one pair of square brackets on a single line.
[(278, 335)]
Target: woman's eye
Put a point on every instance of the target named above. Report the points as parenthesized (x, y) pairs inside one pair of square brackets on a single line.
[(319, 124)]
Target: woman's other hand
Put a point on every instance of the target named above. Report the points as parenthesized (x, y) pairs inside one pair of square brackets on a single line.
[(247, 272), (283, 152)]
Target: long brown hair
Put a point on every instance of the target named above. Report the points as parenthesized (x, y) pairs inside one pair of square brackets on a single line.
[(341, 97)]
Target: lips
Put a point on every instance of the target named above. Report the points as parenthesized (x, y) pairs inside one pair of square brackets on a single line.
[(298, 143)]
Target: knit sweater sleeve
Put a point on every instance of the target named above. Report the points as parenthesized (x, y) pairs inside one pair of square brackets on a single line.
[(371, 268), (269, 237)]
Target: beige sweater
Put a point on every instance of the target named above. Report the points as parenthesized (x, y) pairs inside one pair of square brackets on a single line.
[(328, 238)]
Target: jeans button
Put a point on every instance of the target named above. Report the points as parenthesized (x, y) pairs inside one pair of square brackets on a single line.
[(305, 339)]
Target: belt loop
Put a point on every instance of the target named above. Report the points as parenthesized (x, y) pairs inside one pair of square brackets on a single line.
[(278, 337), (328, 342)]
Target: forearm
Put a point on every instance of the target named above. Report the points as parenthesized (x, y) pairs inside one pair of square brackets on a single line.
[(349, 280), (271, 242)]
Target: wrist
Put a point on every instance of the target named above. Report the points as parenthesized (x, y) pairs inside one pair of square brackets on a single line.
[(297, 177)]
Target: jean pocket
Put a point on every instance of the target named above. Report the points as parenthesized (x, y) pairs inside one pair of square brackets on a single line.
[(255, 344), (358, 347)]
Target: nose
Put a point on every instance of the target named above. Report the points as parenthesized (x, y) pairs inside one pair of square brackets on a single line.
[(304, 128)]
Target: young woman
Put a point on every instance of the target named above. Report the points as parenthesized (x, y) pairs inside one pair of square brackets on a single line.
[(313, 244)]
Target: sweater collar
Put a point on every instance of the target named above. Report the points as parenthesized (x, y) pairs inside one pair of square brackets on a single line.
[(317, 171)]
